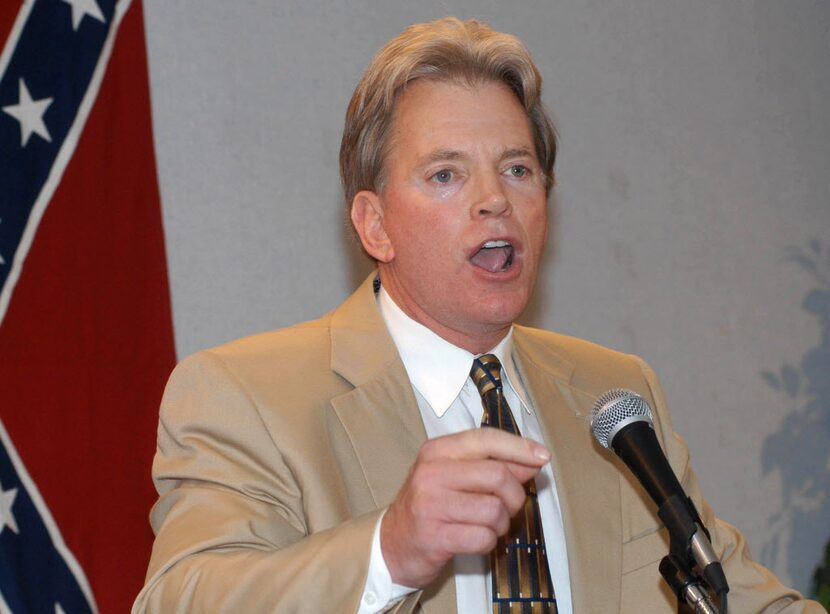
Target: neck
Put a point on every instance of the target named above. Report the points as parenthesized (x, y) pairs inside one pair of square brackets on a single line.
[(476, 340)]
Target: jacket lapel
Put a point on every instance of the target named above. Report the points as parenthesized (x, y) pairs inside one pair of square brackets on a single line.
[(380, 418), (587, 484), (380, 415)]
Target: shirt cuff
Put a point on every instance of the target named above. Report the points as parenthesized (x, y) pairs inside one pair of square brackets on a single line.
[(380, 592)]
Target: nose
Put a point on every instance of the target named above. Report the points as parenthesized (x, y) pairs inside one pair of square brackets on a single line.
[(490, 197)]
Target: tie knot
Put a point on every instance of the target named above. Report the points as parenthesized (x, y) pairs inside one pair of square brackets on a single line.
[(486, 373)]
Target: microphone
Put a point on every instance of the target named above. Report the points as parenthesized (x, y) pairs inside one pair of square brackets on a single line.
[(621, 421)]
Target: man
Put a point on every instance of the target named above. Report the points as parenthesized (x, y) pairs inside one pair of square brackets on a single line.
[(338, 465)]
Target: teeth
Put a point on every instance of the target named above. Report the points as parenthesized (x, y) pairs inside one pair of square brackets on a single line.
[(491, 244)]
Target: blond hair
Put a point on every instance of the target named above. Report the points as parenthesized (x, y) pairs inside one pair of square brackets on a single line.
[(468, 52)]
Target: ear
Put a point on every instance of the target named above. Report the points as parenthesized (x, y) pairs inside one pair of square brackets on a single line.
[(367, 218)]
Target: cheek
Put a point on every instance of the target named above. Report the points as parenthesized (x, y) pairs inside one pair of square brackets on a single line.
[(421, 239), (542, 227), (434, 228), (535, 221)]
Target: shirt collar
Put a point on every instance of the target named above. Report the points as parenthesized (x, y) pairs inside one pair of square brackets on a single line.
[(437, 368)]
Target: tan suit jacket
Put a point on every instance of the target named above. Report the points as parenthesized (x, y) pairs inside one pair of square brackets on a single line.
[(277, 454)]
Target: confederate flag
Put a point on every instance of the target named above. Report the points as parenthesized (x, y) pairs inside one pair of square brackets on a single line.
[(85, 331)]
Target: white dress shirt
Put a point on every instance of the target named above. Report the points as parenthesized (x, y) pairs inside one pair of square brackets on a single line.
[(449, 403)]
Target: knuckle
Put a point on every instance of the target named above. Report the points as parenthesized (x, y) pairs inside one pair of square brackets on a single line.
[(502, 476), (488, 540), (517, 502), (487, 434), (492, 510), (428, 449), (446, 541), (501, 523), (423, 473), (421, 491)]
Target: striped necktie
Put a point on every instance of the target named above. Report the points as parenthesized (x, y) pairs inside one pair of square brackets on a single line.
[(519, 563)]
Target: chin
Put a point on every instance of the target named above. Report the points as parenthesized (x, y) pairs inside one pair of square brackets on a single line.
[(502, 312)]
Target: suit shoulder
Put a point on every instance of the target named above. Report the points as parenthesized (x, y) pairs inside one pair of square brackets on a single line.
[(312, 334), (594, 368), (285, 352), (572, 346), (573, 349)]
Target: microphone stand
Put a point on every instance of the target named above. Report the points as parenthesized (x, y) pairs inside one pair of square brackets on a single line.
[(689, 544), (687, 586)]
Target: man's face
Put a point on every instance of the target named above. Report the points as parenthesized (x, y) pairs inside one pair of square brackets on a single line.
[(464, 209)]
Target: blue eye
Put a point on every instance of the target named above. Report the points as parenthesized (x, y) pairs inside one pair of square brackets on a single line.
[(444, 176), (518, 170)]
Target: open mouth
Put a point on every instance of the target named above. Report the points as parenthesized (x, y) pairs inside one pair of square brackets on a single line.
[(494, 256)]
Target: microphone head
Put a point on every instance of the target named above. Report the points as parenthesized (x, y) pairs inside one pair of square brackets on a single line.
[(616, 409)]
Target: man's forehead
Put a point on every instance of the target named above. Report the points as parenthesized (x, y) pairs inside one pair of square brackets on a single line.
[(428, 92)]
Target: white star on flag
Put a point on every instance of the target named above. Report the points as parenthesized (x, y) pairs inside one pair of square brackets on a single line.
[(30, 115), (81, 8), (6, 516)]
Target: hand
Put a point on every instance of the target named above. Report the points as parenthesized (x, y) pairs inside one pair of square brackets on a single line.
[(459, 498)]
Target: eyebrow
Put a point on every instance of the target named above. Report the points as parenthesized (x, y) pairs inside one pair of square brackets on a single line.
[(440, 155), (517, 152)]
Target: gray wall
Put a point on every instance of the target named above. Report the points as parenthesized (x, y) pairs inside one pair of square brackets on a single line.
[(693, 178)]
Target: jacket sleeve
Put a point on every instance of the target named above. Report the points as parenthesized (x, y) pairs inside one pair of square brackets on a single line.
[(231, 532), (752, 587)]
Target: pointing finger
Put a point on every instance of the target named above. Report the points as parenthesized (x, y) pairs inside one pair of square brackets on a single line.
[(486, 443)]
